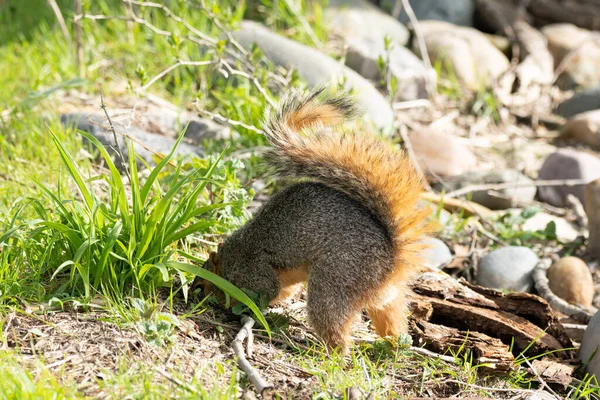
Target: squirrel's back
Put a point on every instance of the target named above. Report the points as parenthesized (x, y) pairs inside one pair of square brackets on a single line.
[(365, 168)]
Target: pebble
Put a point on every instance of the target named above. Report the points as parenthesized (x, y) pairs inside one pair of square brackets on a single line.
[(483, 197), (317, 69), (584, 52), (586, 100), (590, 344), (567, 164), (571, 279), (509, 268), (440, 153), (473, 58), (437, 254), (585, 128)]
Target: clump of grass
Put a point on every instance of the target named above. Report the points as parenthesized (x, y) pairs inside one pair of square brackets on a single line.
[(124, 241)]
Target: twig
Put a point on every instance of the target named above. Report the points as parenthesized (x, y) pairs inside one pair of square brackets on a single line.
[(420, 40), (222, 120), (112, 129), (491, 389), (580, 215), (61, 20), (413, 156), (541, 285), (254, 377), (510, 185), (167, 70), (428, 353)]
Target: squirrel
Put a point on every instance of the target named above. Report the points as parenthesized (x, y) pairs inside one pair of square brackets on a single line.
[(352, 228)]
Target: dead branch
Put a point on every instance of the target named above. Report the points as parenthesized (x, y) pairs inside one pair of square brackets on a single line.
[(421, 41), (245, 333), (61, 19), (117, 148), (511, 185), (541, 285), (413, 156)]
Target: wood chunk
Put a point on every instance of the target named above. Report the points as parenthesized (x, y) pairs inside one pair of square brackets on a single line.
[(445, 309), (485, 349)]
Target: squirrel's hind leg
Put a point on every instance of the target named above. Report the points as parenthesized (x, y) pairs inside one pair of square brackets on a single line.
[(332, 309), (388, 310)]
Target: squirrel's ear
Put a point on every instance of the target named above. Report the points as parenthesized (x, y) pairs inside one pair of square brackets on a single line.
[(219, 246)]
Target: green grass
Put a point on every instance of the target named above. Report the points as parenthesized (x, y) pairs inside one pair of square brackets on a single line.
[(74, 234)]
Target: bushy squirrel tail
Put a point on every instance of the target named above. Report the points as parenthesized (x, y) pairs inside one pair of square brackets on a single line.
[(363, 167)]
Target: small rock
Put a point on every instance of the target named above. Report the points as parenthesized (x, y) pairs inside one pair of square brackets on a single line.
[(571, 279), (364, 29), (565, 230), (586, 100), (509, 268), (585, 127), (567, 164), (590, 345), (170, 123), (316, 69), (458, 12), (584, 54), (94, 123), (440, 153), (525, 193), (473, 58), (437, 253)]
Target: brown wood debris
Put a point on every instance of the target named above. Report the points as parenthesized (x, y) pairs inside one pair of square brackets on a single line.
[(495, 327)]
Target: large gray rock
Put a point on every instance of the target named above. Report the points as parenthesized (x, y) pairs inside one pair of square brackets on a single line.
[(525, 193), (359, 18), (583, 50), (473, 58), (458, 12), (316, 69), (590, 344), (508, 268), (440, 153), (567, 164), (586, 100), (585, 128), (95, 124), (437, 253), (363, 28)]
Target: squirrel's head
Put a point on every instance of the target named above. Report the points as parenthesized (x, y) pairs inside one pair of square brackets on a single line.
[(213, 264)]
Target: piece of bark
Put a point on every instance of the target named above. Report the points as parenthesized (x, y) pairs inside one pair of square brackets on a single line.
[(553, 372), (485, 349), (529, 306), (523, 320), (592, 209)]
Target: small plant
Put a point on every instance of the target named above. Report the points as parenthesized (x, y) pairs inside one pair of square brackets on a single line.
[(157, 327), (509, 227)]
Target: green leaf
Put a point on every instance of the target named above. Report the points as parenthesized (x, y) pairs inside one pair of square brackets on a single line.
[(224, 285)]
